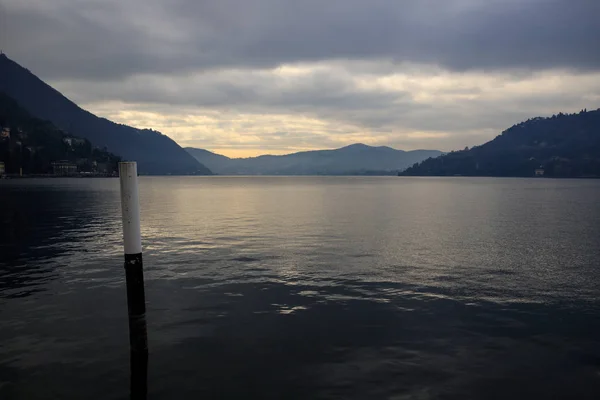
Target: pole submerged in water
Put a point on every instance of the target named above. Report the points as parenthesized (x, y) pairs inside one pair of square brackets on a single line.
[(132, 241), (134, 277), (132, 238)]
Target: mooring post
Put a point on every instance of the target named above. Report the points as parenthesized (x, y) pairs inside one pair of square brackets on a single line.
[(134, 277), (132, 238)]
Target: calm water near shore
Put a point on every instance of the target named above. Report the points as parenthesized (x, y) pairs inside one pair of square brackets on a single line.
[(305, 288)]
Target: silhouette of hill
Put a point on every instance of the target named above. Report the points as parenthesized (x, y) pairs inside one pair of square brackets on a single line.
[(356, 159), (154, 152), (32, 144), (217, 161), (564, 145)]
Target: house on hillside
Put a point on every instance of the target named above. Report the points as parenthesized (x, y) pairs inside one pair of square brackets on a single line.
[(74, 141), (539, 171), (64, 168)]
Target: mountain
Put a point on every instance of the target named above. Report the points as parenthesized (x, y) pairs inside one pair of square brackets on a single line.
[(32, 145), (356, 159), (217, 162), (564, 145), (154, 152)]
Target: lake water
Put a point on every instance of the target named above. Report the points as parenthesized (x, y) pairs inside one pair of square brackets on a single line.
[(305, 288)]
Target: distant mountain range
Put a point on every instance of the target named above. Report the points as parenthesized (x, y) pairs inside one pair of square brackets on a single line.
[(154, 152), (564, 145), (356, 159)]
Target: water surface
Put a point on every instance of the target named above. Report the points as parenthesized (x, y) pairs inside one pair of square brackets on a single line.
[(305, 287)]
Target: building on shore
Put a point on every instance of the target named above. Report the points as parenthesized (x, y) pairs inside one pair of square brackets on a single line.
[(2, 168), (64, 168), (539, 171), (74, 141)]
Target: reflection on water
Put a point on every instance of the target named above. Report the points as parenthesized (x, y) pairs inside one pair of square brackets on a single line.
[(305, 288)]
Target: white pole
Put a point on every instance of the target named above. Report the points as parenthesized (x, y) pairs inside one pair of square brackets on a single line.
[(134, 267), (130, 208)]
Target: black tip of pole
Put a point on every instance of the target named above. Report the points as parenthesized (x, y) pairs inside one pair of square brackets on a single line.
[(134, 276), (138, 335), (136, 302), (139, 374)]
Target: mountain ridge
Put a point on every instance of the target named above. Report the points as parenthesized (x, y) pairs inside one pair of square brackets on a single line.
[(356, 158), (155, 153), (563, 145)]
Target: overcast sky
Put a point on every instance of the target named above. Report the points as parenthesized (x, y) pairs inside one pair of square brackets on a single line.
[(247, 77)]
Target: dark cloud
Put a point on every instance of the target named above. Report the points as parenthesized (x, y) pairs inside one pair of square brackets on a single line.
[(446, 103), (110, 39), (297, 74), (245, 91)]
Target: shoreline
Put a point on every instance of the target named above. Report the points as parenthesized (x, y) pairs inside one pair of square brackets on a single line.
[(51, 176)]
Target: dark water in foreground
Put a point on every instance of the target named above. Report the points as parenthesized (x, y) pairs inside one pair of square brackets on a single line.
[(353, 288)]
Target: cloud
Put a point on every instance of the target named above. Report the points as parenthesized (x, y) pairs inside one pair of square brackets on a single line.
[(110, 38), (273, 75), (311, 106)]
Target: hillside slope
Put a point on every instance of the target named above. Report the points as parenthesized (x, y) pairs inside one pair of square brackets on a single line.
[(154, 152), (216, 162), (32, 144), (564, 145)]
